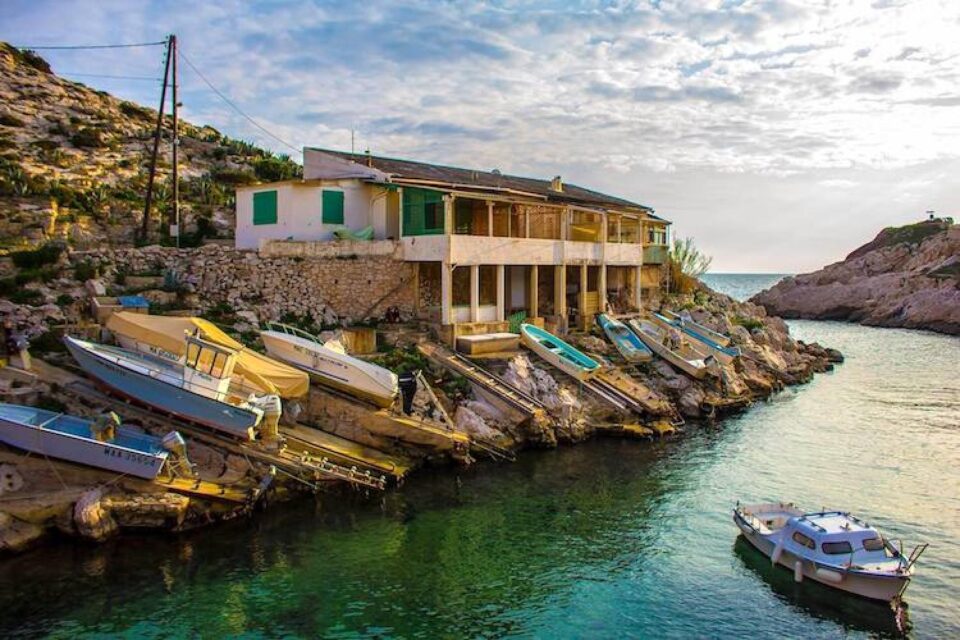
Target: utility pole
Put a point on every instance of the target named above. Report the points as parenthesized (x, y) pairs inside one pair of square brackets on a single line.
[(145, 227), (175, 227)]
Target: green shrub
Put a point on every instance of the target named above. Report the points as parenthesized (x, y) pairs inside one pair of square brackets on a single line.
[(42, 274), (46, 145), (275, 168), (133, 110), (749, 323), (85, 270), (33, 59), (26, 296), (33, 258), (234, 177), (65, 299), (88, 137)]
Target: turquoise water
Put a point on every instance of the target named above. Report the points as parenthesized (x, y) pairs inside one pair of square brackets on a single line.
[(607, 539)]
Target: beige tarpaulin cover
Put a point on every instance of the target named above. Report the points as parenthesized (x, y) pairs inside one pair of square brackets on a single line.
[(167, 333)]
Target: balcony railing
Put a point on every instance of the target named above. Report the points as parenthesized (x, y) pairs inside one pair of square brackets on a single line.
[(655, 254)]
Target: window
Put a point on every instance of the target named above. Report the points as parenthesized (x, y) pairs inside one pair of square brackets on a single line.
[(873, 544), (332, 207), (835, 548), (265, 207), (423, 211), (803, 540)]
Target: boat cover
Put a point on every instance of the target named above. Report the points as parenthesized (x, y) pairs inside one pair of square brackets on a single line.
[(167, 333)]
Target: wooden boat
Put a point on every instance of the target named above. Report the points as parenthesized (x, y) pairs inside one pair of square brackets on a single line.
[(833, 548), (197, 390), (726, 355), (703, 330), (627, 343), (100, 443), (558, 353), (330, 366), (680, 353)]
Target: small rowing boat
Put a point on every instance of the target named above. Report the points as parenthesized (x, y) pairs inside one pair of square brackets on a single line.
[(558, 353), (101, 443), (329, 365), (197, 390), (684, 316), (627, 343), (672, 347), (833, 548), (725, 354)]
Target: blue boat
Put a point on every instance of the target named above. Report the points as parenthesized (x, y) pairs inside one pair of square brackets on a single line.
[(725, 354), (197, 390), (626, 341), (558, 353), (98, 443)]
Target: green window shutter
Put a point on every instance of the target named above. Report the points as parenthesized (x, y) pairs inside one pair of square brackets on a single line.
[(422, 212), (265, 207), (332, 207)]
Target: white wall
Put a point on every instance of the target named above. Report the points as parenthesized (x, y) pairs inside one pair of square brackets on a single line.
[(300, 212)]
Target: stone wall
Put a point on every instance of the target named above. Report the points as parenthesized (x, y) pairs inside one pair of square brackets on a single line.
[(332, 290)]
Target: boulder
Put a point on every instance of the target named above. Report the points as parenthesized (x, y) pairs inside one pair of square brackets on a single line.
[(92, 520), (17, 535)]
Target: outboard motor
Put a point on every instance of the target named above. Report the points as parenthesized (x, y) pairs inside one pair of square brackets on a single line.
[(270, 425), (104, 428), (177, 446), (408, 389)]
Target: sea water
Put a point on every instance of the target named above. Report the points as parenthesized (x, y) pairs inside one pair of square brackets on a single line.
[(606, 539)]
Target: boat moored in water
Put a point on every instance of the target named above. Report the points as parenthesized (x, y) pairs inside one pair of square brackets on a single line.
[(558, 353), (329, 365), (675, 349), (627, 343), (197, 390), (833, 548), (725, 354), (102, 443)]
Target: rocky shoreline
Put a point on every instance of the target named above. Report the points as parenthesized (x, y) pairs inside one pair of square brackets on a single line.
[(906, 277), (42, 497)]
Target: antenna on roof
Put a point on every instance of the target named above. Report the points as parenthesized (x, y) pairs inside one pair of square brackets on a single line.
[(352, 149)]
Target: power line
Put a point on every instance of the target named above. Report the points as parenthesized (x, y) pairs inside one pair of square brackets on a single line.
[(95, 46), (103, 75), (234, 106)]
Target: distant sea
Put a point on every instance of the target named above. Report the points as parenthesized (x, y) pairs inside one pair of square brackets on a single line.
[(741, 286)]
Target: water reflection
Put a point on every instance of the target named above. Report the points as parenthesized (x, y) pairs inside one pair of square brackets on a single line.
[(819, 601)]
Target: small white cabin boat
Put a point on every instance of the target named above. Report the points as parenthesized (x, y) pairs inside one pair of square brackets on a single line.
[(330, 366), (833, 548), (197, 390), (675, 349), (101, 443)]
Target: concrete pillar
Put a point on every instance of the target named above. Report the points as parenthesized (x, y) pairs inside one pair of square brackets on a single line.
[(619, 228), (560, 292), (447, 215), (582, 298), (400, 198), (501, 294), (533, 291), (526, 224), (490, 219), (602, 287), (446, 293), (474, 293), (637, 287)]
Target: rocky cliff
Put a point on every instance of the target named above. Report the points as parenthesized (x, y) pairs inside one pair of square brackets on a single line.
[(74, 164), (905, 277)]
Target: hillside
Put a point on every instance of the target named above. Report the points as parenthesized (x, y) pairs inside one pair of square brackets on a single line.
[(74, 164), (905, 277)]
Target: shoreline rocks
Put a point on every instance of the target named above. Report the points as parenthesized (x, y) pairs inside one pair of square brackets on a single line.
[(907, 277)]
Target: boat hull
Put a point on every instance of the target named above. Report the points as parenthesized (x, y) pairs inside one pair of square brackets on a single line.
[(64, 446), (212, 413), (871, 586), (330, 369), (631, 352), (667, 354), (553, 358), (725, 355)]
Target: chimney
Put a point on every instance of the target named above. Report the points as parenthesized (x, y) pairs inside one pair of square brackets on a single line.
[(369, 158), (556, 184)]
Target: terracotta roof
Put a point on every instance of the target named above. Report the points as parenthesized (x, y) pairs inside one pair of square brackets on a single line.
[(410, 170)]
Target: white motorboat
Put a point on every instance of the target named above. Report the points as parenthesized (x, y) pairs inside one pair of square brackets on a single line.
[(330, 365), (833, 548), (675, 349)]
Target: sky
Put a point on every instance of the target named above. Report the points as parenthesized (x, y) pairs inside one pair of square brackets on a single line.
[(779, 134)]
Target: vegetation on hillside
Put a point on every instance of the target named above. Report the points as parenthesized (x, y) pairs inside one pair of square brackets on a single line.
[(74, 164)]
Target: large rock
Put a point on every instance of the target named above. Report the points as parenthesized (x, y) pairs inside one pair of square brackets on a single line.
[(17, 535), (92, 520), (906, 277)]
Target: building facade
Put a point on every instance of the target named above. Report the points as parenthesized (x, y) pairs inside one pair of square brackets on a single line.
[(487, 247)]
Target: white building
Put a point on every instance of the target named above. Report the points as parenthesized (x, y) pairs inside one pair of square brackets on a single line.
[(486, 245)]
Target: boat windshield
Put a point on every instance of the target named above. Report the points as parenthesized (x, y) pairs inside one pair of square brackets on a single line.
[(873, 544), (837, 548)]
